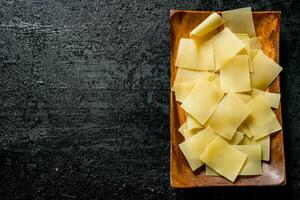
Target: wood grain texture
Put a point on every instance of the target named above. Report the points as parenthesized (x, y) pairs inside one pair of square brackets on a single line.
[(267, 26)]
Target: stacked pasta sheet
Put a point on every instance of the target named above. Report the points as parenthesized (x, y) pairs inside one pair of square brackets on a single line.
[(221, 83)]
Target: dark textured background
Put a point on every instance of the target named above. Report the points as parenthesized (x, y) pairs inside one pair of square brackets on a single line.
[(84, 99)]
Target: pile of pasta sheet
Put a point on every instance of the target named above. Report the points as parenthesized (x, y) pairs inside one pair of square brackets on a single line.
[(221, 84)]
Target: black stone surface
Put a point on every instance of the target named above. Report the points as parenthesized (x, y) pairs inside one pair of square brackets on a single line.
[(84, 99)]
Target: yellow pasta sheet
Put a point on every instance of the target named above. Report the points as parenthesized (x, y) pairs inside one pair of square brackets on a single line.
[(247, 51), (203, 100), (228, 116), (273, 125), (183, 90), (262, 121), (270, 127), (235, 76), (225, 44), (242, 36), (223, 158), (244, 127), (187, 75), (236, 138), (210, 172), (272, 98), (210, 76), (244, 97), (192, 123), (265, 146), (252, 165), (254, 43), (182, 127), (265, 70), (212, 22), (187, 133), (194, 146), (217, 82), (253, 53), (240, 21), (193, 54)]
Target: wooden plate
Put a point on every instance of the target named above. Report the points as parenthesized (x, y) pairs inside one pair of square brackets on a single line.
[(267, 26)]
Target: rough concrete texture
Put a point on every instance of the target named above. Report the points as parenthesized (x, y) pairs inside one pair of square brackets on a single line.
[(84, 99)]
